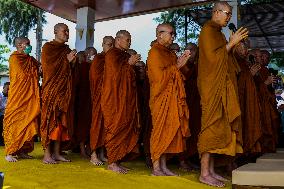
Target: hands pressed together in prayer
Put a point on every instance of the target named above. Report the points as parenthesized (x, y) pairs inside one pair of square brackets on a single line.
[(254, 69), (182, 60), (134, 59), (236, 37), (72, 56), (270, 80)]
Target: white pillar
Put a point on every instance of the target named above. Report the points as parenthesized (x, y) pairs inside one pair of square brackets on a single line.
[(85, 28), (234, 19)]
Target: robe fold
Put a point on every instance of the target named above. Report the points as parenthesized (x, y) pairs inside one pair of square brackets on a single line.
[(56, 117), (250, 108), (270, 116), (83, 107), (217, 84), (193, 102), (23, 105), (96, 81), (119, 106), (167, 103)]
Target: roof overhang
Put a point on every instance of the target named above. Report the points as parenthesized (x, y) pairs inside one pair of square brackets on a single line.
[(110, 9)]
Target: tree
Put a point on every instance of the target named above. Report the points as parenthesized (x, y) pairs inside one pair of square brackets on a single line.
[(3, 50), (186, 28), (18, 18)]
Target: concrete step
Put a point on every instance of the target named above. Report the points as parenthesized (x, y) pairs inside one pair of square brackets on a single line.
[(271, 157), (259, 174), (280, 150)]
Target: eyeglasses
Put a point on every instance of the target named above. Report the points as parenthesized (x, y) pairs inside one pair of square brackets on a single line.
[(172, 33), (229, 14)]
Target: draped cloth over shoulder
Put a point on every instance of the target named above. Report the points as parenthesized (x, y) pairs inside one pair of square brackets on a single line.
[(167, 103), (83, 104), (270, 116), (96, 81), (217, 84), (250, 108), (23, 106), (56, 118), (119, 106), (193, 102)]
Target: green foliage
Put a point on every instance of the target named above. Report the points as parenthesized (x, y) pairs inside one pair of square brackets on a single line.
[(177, 19), (17, 18), (3, 50), (278, 59)]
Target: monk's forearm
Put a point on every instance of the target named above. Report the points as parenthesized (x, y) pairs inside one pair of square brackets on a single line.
[(229, 46)]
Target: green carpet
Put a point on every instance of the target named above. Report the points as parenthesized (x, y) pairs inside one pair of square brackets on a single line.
[(29, 174)]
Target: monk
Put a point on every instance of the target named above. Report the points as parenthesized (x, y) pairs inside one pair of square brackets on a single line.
[(193, 102), (83, 109), (56, 119), (175, 48), (269, 114), (23, 105), (249, 102), (97, 130), (217, 84), (167, 101), (119, 103)]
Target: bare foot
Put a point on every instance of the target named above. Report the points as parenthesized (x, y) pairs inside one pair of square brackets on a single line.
[(168, 172), (211, 181), (25, 156), (95, 160), (158, 173), (185, 167), (219, 177), (48, 160), (115, 168), (60, 158), (10, 158), (123, 167)]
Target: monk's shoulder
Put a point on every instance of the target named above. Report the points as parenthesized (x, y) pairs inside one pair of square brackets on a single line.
[(113, 52), (158, 50)]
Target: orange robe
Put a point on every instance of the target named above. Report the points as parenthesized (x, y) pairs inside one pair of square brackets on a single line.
[(23, 105), (193, 102), (96, 81), (83, 109), (167, 103), (250, 108), (119, 106), (269, 115), (217, 84), (56, 118)]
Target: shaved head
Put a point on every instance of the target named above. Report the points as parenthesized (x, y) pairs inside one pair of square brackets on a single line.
[(61, 32), (58, 26), (90, 50), (165, 34), (121, 33), (123, 40), (220, 5), (161, 27), (108, 39), (19, 40), (174, 47)]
